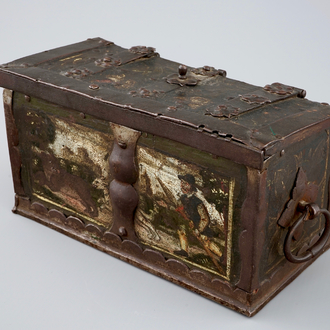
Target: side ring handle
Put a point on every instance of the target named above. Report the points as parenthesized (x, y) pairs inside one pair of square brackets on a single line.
[(311, 212)]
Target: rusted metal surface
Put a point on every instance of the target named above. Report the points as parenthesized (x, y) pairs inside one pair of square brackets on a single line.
[(121, 58), (209, 71), (280, 89), (143, 50), (212, 90), (225, 111), (152, 261), (181, 78), (93, 86), (192, 176), (310, 212), (143, 92), (303, 191), (13, 141), (255, 99), (300, 174), (252, 230), (123, 165)]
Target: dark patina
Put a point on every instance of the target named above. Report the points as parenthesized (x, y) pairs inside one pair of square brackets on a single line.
[(217, 185)]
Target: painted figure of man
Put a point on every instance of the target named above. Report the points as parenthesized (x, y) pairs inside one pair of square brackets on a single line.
[(193, 210)]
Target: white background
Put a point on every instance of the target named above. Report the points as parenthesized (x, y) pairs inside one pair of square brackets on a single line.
[(49, 281)]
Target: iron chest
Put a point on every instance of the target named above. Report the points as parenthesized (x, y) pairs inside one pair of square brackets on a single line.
[(214, 184)]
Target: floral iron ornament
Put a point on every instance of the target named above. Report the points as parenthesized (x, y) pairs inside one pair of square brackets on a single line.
[(254, 99), (303, 191), (226, 111), (209, 71)]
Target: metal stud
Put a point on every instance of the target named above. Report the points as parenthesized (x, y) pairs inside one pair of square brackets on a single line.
[(122, 231), (93, 86)]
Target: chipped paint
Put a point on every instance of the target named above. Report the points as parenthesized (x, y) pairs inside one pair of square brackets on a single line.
[(7, 96), (124, 134), (75, 155), (73, 141), (196, 102)]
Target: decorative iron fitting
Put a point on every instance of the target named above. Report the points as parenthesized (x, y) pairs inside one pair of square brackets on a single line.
[(254, 99), (209, 71), (302, 191), (143, 92), (310, 212), (124, 169), (225, 111), (105, 42), (302, 94), (181, 78), (107, 61), (94, 86), (77, 73), (279, 89), (142, 50)]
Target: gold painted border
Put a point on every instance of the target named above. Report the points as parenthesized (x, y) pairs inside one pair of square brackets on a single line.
[(230, 225), (229, 232), (68, 209), (229, 238)]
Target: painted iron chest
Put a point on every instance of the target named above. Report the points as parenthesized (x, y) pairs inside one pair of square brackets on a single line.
[(214, 184)]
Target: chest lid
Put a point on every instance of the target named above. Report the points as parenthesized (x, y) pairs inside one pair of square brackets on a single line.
[(137, 88)]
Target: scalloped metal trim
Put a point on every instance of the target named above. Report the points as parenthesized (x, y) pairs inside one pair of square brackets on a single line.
[(155, 263), (200, 282)]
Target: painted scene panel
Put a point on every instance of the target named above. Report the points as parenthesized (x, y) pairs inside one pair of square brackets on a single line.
[(185, 211), (67, 165)]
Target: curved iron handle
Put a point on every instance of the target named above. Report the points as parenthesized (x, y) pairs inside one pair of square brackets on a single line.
[(311, 211)]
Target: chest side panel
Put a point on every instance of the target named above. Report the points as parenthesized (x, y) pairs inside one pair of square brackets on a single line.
[(65, 159), (304, 164)]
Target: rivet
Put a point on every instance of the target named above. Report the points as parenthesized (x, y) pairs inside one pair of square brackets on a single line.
[(93, 86), (122, 145), (27, 98), (171, 108), (324, 103), (122, 231), (282, 152), (302, 94), (82, 115)]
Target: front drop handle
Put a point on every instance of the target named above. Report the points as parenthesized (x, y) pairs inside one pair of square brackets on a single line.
[(310, 212)]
